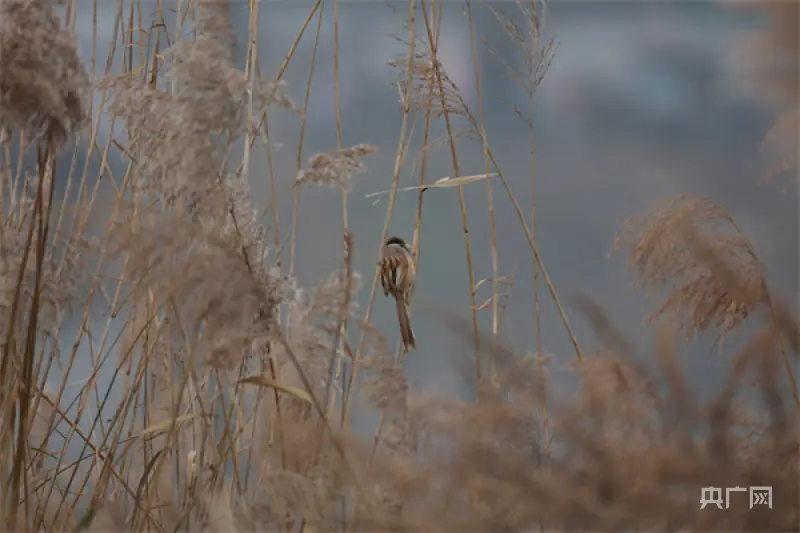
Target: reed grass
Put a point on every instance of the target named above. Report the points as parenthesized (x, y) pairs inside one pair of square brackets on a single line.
[(223, 402)]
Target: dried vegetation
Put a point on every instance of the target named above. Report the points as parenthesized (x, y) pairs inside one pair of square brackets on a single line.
[(216, 395)]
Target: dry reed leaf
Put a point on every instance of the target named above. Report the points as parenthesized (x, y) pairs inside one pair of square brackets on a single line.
[(267, 382), (441, 183), (167, 425)]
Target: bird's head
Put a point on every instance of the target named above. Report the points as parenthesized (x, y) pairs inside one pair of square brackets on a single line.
[(397, 241)]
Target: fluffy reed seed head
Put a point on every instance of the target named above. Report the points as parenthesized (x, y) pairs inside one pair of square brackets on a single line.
[(661, 253), (44, 87)]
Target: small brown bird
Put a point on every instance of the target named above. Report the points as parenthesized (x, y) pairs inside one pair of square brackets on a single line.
[(398, 275)]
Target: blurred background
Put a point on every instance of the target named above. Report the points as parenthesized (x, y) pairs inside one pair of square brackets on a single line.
[(643, 100)]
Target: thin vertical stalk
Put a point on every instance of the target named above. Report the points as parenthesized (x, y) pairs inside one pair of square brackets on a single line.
[(399, 158), (300, 142), (457, 172), (400, 154), (489, 199), (341, 334)]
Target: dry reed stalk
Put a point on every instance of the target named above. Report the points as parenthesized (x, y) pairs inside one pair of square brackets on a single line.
[(447, 100), (342, 335), (42, 93), (536, 60), (489, 199), (438, 81), (400, 154), (300, 141)]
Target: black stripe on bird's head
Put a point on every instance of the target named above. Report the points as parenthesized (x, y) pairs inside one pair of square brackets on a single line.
[(399, 242)]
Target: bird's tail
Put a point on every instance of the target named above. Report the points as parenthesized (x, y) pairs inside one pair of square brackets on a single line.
[(406, 333)]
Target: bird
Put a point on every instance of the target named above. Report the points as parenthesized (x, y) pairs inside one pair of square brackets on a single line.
[(398, 275)]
